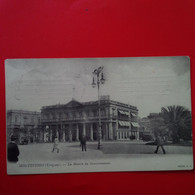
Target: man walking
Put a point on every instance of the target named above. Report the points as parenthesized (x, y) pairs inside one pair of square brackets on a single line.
[(160, 143), (83, 142)]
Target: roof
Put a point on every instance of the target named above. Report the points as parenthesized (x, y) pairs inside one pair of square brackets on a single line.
[(75, 103)]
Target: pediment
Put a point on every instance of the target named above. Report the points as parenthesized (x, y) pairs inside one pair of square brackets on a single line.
[(73, 103)]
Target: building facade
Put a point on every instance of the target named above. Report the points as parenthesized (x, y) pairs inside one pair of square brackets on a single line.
[(23, 123), (70, 121)]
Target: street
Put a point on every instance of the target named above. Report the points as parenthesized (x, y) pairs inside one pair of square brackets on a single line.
[(72, 151), (114, 156)]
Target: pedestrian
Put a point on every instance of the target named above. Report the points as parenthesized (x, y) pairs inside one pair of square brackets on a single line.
[(12, 150), (83, 142), (55, 145), (160, 143)]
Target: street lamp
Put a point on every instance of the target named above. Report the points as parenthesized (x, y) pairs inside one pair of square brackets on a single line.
[(97, 73)]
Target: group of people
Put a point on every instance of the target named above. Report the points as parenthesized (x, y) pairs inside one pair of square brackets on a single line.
[(13, 151), (83, 144)]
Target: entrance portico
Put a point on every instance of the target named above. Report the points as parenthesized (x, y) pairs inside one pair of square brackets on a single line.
[(74, 131)]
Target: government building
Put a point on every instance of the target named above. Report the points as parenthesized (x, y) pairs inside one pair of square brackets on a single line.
[(68, 122)]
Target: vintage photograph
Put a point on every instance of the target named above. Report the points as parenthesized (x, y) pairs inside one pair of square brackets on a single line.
[(98, 115)]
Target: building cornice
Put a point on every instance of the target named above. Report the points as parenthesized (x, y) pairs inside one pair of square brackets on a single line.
[(24, 112), (92, 103)]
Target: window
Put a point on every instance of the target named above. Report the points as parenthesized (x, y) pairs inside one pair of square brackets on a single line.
[(103, 112), (77, 115), (114, 113), (80, 114), (53, 116), (87, 113), (74, 115), (60, 115), (94, 112), (25, 119), (69, 115), (47, 116), (16, 119)]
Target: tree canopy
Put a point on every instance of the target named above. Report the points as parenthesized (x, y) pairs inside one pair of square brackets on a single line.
[(178, 120)]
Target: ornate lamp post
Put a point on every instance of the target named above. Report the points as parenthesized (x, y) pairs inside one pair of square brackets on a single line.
[(97, 81)]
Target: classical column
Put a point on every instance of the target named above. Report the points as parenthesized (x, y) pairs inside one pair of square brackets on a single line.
[(117, 135), (42, 135), (70, 133), (91, 131), (63, 135), (77, 132), (110, 111), (84, 128), (110, 131), (106, 132), (57, 134), (129, 134), (50, 137)]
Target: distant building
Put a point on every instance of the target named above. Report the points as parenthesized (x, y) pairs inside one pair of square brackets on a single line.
[(156, 120), (23, 123), (144, 124), (150, 124), (69, 121), (146, 132)]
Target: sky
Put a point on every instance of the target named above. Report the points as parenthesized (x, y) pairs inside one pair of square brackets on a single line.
[(148, 83)]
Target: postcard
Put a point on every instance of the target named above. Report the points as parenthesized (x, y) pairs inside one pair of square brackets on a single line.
[(98, 115)]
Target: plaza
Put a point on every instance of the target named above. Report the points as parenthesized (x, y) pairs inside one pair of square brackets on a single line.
[(113, 156), (114, 149)]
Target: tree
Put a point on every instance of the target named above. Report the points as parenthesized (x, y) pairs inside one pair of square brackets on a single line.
[(178, 121)]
